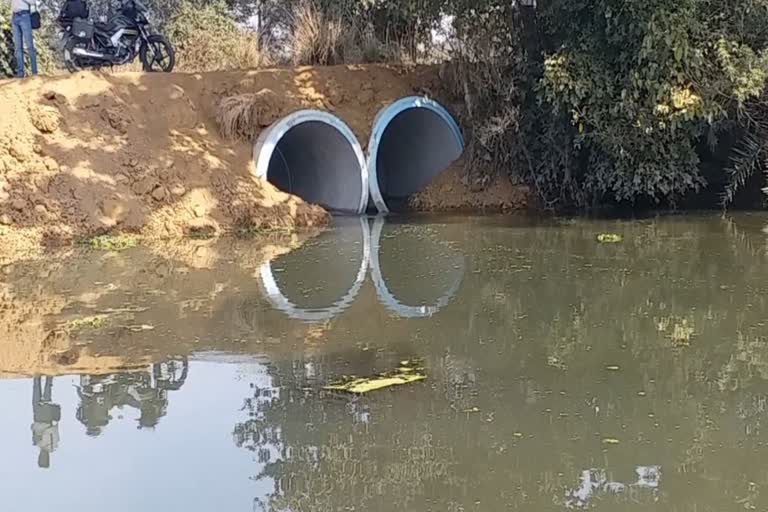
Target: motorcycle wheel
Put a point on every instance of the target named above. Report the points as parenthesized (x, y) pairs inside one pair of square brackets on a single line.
[(158, 55), (70, 60)]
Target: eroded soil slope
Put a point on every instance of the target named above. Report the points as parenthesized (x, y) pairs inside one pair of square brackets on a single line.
[(133, 152)]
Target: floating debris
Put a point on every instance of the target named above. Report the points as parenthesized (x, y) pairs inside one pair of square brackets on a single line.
[(555, 362), (88, 322), (139, 328), (611, 440), (407, 373), (682, 334), (613, 368), (112, 242), (609, 238), (129, 309), (471, 410)]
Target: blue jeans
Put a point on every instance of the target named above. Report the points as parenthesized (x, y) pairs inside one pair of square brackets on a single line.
[(22, 33)]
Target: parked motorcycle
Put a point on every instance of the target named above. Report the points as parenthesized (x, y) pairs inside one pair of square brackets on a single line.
[(88, 44)]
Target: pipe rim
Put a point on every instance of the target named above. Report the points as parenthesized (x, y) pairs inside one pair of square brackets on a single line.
[(388, 299), (280, 302), (267, 142), (381, 123)]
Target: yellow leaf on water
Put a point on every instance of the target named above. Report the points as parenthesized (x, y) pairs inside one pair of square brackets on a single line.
[(609, 238), (366, 385)]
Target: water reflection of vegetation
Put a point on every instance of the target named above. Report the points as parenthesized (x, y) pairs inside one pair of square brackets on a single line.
[(677, 310)]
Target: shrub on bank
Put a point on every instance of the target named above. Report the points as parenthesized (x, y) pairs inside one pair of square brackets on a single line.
[(602, 101), (207, 38), (322, 37), (7, 59), (318, 38)]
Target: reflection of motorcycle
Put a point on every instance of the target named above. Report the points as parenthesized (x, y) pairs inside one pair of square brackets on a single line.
[(117, 42), (146, 391), (171, 375)]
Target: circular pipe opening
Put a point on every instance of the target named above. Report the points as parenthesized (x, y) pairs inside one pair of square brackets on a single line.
[(314, 155), (412, 141)]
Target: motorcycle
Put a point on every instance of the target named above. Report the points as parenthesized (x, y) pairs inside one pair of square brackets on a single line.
[(117, 42)]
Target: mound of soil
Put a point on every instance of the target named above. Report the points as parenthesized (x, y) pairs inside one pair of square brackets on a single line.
[(451, 191), (131, 152)]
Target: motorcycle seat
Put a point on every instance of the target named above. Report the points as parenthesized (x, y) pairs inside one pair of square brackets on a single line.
[(107, 27)]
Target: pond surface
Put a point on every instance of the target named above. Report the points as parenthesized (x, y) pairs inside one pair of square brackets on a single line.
[(562, 373)]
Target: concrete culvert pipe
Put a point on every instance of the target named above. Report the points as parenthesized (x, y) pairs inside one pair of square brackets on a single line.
[(314, 155), (412, 141)]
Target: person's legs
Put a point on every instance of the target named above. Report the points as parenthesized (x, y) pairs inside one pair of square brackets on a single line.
[(29, 41), (48, 389), (37, 390), (18, 44)]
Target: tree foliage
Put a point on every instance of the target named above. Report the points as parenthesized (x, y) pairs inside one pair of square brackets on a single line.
[(208, 38), (617, 96)]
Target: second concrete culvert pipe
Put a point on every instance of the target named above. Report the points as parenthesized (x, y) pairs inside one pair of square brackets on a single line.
[(412, 141), (314, 155)]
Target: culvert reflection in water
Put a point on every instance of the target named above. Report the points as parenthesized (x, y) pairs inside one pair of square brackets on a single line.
[(320, 280), (416, 273)]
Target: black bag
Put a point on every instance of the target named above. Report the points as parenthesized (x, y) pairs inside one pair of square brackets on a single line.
[(74, 9), (82, 29), (34, 18)]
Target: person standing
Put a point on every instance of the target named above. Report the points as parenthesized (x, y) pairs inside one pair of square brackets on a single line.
[(21, 23)]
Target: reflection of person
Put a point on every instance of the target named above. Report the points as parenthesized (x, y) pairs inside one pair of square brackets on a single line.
[(21, 23), (144, 391), (46, 417)]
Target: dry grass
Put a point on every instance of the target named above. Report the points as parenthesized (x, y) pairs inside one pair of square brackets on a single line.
[(249, 54), (204, 51), (318, 38), (243, 116)]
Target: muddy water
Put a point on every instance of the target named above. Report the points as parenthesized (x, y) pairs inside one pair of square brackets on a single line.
[(562, 373)]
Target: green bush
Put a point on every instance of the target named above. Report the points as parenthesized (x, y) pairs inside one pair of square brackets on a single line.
[(207, 37), (7, 59), (612, 99)]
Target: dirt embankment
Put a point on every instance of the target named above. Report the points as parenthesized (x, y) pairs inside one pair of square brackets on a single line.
[(92, 153), (454, 191)]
